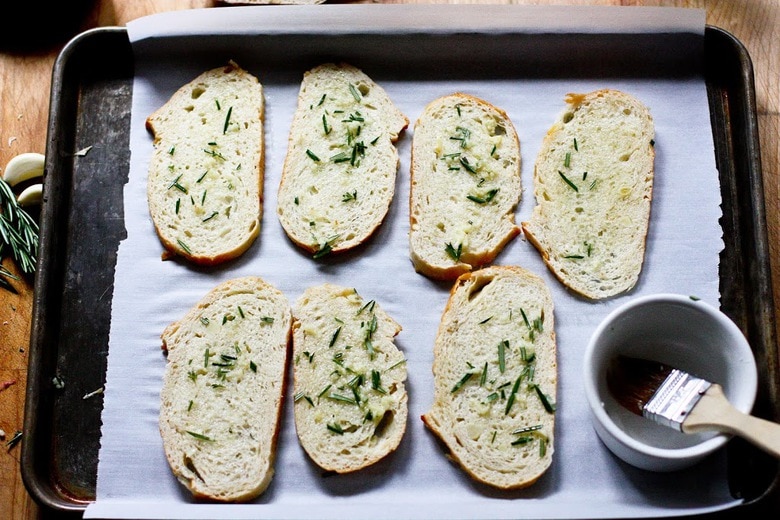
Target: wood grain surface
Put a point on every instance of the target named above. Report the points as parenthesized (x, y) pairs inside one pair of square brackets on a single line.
[(25, 79)]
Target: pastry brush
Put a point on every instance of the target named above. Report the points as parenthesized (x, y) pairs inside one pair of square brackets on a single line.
[(684, 402)]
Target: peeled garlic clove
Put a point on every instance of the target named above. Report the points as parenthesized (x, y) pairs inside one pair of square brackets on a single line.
[(23, 167), (31, 195)]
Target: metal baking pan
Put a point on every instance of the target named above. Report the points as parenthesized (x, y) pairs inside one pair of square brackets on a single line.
[(82, 225)]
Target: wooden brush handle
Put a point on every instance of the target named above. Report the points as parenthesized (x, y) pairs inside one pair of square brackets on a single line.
[(715, 412)]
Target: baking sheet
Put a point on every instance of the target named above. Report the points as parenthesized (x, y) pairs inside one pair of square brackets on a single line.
[(293, 494)]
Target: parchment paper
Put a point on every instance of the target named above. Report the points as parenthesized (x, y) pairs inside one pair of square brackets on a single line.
[(417, 481)]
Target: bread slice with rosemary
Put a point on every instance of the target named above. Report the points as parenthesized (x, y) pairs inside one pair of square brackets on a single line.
[(350, 401), (221, 398), (207, 166), (465, 186), (338, 178), (495, 377), (593, 184)]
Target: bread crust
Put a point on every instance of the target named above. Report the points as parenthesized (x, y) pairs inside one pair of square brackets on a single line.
[(593, 183), (339, 173), (204, 154), (465, 186), (495, 341), (223, 388)]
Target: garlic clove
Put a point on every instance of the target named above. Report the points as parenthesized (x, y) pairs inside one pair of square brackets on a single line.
[(23, 167), (31, 195)]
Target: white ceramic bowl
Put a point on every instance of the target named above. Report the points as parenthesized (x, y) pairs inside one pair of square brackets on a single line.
[(680, 332)]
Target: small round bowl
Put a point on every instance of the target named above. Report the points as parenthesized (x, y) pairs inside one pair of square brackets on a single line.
[(680, 332)]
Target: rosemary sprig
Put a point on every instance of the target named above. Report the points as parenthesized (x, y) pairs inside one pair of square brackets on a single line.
[(18, 234)]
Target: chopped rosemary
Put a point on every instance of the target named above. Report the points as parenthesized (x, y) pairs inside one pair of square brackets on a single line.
[(486, 320), (464, 161), (301, 395), (376, 382), (213, 214), (354, 92), (204, 320), (13, 441), (326, 128), (349, 196), (227, 120), (215, 154), (502, 355), (464, 134), (545, 399), (334, 337), (576, 148), (200, 436), (335, 428), (453, 252), (567, 181), (369, 305), (184, 246), (485, 198), (462, 382), (172, 150), (312, 156), (457, 107), (178, 204), (175, 184), (522, 440), (324, 391), (567, 160), (513, 393), (324, 249), (253, 366), (267, 319), (201, 177), (483, 377), (240, 311), (527, 429), (343, 398), (395, 365)]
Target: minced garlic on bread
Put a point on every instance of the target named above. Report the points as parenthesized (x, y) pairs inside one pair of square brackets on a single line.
[(222, 391), (207, 166), (593, 184), (465, 186), (495, 376), (350, 401), (339, 173)]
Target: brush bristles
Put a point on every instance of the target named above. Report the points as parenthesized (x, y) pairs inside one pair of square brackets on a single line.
[(633, 382)]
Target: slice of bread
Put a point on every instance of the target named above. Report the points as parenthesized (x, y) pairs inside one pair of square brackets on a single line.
[(222, 391), (495, 376), (350, 401), (465, 186), (207, 167), (339, 173), (594, 184)]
